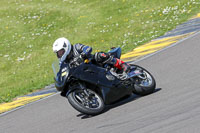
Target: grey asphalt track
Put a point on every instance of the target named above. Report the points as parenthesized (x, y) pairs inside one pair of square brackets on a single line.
[(173, 108)]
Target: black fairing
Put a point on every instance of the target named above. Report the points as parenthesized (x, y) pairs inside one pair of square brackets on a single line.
[(111, 88), (60, 81)]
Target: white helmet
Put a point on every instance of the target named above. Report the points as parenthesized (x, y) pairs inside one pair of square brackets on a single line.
[(62, 48)]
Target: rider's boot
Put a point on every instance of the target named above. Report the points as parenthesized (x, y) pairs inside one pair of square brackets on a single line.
[(121, 65)]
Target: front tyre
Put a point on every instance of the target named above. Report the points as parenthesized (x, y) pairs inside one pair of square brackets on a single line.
[(144, 83), (90, 103)]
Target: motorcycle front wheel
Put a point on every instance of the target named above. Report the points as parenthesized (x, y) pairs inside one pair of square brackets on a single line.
[(144, 83), (90, 103)]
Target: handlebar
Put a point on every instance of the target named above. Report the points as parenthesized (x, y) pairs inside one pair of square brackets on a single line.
[(78, 60)]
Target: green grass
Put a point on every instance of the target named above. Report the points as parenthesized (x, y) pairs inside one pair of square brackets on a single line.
[(28, 29)]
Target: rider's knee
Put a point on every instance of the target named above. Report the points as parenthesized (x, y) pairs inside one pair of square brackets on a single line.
[(103, 58)]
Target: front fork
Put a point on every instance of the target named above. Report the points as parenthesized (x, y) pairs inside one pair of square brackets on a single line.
[(82, 87)]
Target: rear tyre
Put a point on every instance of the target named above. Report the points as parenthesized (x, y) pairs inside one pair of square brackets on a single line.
[(91, 105), (144, 84)]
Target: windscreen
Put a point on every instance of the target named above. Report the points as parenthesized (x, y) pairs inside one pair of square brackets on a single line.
[(56, 67)]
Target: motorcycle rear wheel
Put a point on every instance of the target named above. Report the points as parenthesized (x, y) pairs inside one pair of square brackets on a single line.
[(144, 84), (91, 105)]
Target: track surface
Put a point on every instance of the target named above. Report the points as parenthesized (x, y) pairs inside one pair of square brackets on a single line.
[(175, 107)]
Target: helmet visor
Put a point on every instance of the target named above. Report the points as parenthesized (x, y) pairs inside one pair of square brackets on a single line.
[(60, 53)]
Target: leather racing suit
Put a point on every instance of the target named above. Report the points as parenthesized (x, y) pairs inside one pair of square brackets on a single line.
[(100, 57)]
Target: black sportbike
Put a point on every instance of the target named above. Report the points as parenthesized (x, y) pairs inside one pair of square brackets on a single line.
[(89, 86)]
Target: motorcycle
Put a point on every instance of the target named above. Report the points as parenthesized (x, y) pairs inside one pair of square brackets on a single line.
[(89, 87)]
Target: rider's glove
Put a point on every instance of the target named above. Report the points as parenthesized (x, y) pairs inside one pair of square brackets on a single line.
[(83, 55)]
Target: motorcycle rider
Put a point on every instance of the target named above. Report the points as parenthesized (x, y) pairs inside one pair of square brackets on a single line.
[(67, 52)]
